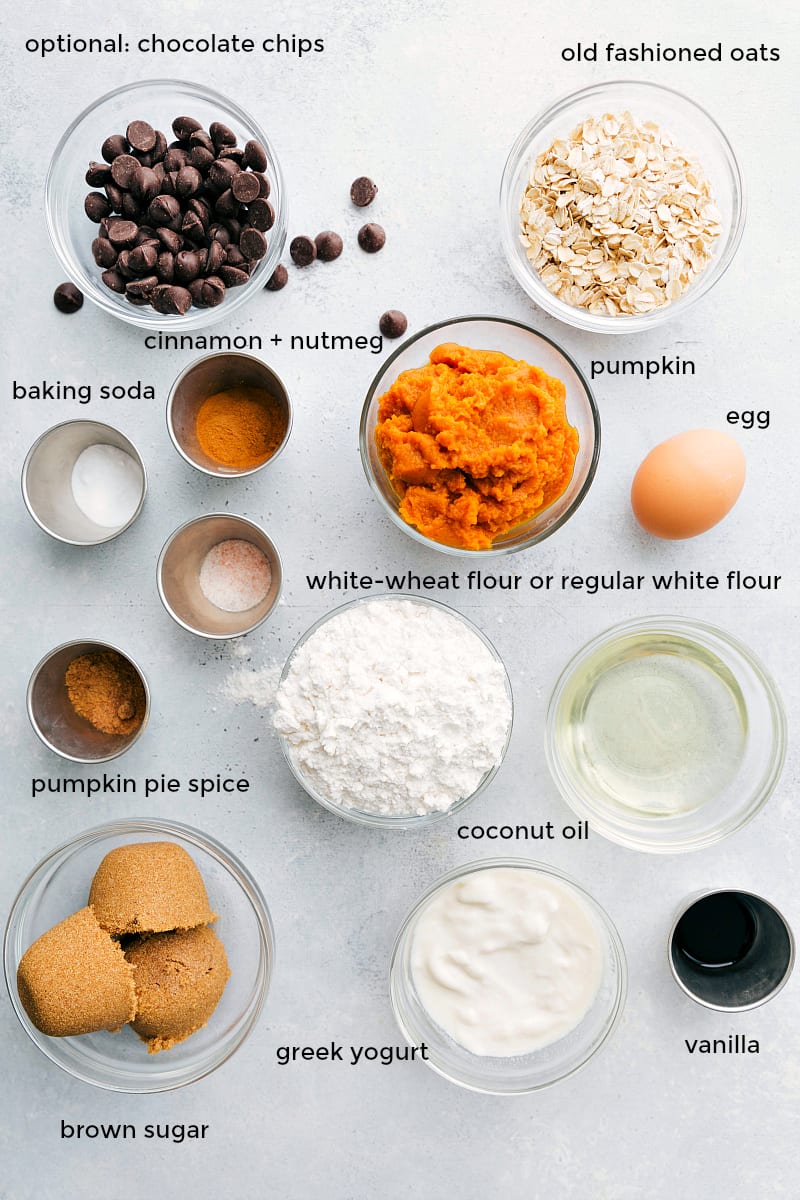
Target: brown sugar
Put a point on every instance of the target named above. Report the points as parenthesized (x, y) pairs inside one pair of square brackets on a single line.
[(107, 691), (149, 887), (180, 978), (75, 979)]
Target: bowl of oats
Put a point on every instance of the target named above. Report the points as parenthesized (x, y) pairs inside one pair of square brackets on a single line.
[(621, 205)]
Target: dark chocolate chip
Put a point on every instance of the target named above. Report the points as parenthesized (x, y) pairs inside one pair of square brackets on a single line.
[(202, 209), (234, 257), (67, 298), (121, 233), (139, 301), (123, 169), (278, 279), (130, 208), (393, 323), (160, 147), (189, 182), (169, 299), (219, 233), (172, 241), (141, 135), (221, 173), (201, 158), (142, 259), (222, 135), (233, 276), (123, 265), (215, 258), (165, 266), (115, 195), (174, 160), (303, 251), (329, 245), (245, 187), (363, 191), (201, 138), (141, 287), (255, 156), (232, 152), (261, 215), (187, 266), (184, 127), (192, 227), (163, 210), (114, 281), (96, 207), (253, 244), (371, 238), (233, 227), (103, 252), (226, 205), (208, 292), (113, 146), (263, 184), (145, 159), (146, 185), (98, 174)]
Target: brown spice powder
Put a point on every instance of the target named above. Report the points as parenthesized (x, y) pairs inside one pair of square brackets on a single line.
[(107, 691), (241, 427)]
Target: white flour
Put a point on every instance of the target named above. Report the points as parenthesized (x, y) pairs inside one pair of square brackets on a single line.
[(394, 707)]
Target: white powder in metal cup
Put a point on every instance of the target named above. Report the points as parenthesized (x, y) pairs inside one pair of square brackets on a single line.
[(394, 707)]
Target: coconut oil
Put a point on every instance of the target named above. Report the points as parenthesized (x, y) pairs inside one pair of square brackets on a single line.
[(654, 723)]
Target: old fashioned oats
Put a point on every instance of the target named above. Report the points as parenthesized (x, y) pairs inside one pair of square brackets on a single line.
[(616, 218)]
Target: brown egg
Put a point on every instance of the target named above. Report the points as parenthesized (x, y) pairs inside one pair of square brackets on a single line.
[(688, 483)]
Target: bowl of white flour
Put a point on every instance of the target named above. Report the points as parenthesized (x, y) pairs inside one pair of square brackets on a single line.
[(394, 711)]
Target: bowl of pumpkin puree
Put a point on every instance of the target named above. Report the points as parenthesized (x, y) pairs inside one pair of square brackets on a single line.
[(480, 435)]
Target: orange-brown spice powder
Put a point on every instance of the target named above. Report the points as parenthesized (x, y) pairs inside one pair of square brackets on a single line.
[(107, 691), (240, 427)]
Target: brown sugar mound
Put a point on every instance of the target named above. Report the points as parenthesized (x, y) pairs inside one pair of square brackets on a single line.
[(180, 978), (149, 887), (474, 443), (107, 691), (75, 979)]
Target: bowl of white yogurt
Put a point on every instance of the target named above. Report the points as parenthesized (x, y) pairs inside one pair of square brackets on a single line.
[(508, 976)]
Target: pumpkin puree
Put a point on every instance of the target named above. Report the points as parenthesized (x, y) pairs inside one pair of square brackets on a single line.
[(474, 443)]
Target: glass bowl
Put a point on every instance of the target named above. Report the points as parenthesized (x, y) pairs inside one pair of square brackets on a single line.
[(522, 1073), (520, 342), (360, 816), (158, 101), (693, 129), (714, 799), (119, 1062)]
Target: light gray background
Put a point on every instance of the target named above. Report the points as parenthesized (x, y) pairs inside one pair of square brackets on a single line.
[(427, 98)]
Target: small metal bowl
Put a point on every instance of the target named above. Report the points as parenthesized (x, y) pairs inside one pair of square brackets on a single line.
[(55, 720), (178, 574), (205, 378), (47, 481)]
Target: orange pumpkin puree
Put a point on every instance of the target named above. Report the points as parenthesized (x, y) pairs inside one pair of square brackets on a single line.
[(474, 443)]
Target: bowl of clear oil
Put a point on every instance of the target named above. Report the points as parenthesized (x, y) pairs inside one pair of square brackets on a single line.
[(666, 734)]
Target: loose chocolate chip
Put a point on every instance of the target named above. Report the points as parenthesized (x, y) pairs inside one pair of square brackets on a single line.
[(113, 280), (245, 187), (187, 266), (67, 298), (278, 279), (371, 238), (189, 182), (233, 276), (98, 174), (142, 259), (226, 205), (163, 210), (129, 207), (146, 185), (121, 233), (96, 207), (141, 287), (141, 135), (169, 299), (393, 323), (184, 127), (363, 191), (160, 147), (222, 135), (215, 258), (165, 267), (263, 184), (114, 146), (103, 252), (329, 245), (172, 241), (201, 158), (261, 215), (303, 251), (123, 169), (174, 160), (255, 156), (221, 173), (253, 244)]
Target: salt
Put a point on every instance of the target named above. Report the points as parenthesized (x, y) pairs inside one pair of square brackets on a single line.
[(107, 485), (235, 575)]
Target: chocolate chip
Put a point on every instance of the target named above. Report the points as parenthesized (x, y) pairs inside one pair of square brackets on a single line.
[(146, 185), (123, 265), (200, 138), (121, 233), (115, 196), (103, 252), (187, 266), (221, 134), (363, 191), (123, 169), (67, 298), (143, 259), (253, 244), (160, 147), (98, 174), (233, 227), (232, 152), (129, 208), (233, 276), (192, 227), (168, 299), (261, 215), (114, 281), (189, 182), (234, 257), (201, 158), (165, 266), (263, 184), (303, 251), (144, 158), (393, 323), (113, 146), (221, 173), (141, 135), (139, 301), (175, 159), (255, 156), (371, 238), (245, 187), (211, 291), (184, 127), (278, 279), (202, 210), (329, 245), (215, 258), (142, 287), (219, 234), (163, 210), (226, 205), (172, 241), (96, 207)]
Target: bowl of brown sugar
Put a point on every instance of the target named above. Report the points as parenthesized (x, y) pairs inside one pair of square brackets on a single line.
[(229, 415), (87, 701)]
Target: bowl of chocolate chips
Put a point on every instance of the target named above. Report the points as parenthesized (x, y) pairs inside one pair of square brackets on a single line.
[(166, 204)]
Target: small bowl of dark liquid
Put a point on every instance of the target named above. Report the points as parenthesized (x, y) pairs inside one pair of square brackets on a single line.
[(730, 950)]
